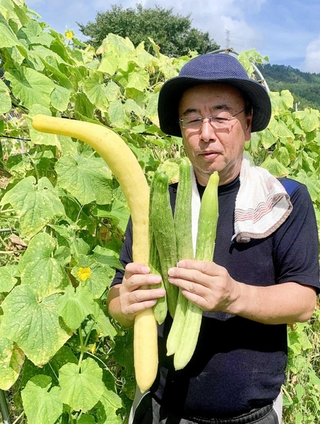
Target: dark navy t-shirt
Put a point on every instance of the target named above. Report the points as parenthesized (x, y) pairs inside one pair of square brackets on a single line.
[(239, 364)]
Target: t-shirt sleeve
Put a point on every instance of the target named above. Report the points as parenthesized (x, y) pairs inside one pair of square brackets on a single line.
[(296, 243)]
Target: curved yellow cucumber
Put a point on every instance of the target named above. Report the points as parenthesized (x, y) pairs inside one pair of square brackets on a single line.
[(125, 167)]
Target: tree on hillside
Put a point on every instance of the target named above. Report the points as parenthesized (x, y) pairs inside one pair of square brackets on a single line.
[(172, 33)]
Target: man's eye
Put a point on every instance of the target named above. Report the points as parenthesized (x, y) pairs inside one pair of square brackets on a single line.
[(192, 120)]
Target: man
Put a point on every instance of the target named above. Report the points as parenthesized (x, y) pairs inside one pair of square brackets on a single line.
[(265, 271)]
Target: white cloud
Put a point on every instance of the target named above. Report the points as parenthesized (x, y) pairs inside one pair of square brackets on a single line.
[(312, 58)]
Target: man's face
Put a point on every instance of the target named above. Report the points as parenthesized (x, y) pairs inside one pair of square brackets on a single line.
[(215, 149)]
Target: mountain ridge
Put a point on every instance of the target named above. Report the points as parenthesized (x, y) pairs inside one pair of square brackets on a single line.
[(304, 86)]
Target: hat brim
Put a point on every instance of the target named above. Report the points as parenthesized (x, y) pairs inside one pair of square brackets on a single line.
[(172, 90)]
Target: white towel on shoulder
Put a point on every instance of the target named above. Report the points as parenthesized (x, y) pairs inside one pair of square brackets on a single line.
[(262, 204)]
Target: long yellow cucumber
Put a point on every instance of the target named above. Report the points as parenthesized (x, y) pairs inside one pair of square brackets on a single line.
[(206, 236), (125, 167)]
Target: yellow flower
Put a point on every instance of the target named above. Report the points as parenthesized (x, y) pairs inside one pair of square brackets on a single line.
[(84, 273), (69, 34)]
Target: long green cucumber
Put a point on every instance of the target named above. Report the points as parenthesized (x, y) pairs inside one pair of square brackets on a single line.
[(207, 225), (160, 309), (183, 229), (161, 218)]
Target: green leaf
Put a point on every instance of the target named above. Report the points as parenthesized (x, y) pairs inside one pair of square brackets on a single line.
[(87, 179), (39, 267), (60, 98), (11, 361), (75, 305), (275, 167), (281, 101), (34, 325), (107, 257), (8, 37), (300, 391), (119, 213), (30, 86), (103, 324), (138, 80), (308, 118), (41, 401), (81, 387), (117, 114), (96, 91), (5, 100), (8, 277), (279, 129), (98, 277), (33, 33), (86, 419), (36, 204), (111, 403)]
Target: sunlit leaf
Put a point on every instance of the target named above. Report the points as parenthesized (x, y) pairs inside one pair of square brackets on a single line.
[(8, 277), (138, 80), (34, 325), (11, 361), (100, 275), (96, 92), (75, 305), (81, 387), (117, 114), (36, 204), (111, 403), (275, 167), (308, 118), (30, 86), (87, 179), (5, 100), (102, 322), (41, 401), (39, 267), (279, 129), (60, 98), (8, 37)]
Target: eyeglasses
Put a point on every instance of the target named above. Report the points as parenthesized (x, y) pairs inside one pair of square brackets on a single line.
[(219, 122)]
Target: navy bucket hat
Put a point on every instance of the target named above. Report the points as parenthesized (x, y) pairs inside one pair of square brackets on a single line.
[(220, 67)]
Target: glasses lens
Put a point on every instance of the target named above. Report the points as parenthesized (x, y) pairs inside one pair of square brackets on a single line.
[(220, 122)]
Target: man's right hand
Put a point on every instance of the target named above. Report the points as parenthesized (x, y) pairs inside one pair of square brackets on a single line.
[(135, 294)]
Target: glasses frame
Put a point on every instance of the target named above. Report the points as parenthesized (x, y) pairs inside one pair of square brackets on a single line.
[(211, 121)]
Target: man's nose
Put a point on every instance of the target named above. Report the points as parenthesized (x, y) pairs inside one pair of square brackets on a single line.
[(207, 132)]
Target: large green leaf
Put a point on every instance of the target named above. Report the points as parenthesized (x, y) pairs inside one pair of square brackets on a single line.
[(96, 92), (81, 387), (111, 403), (30, 87), (40, 269), (102, 323), (36, 204), (87, 179), (42, 403), (11, 361), (75, 305), (8, 277), (33, 33), (33, 324), (92, 274), (275, 167), (8, 37), (309, 119), (117, 114), (5, 100)]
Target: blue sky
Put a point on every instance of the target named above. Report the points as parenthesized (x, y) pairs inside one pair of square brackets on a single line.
[(288, 32)]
